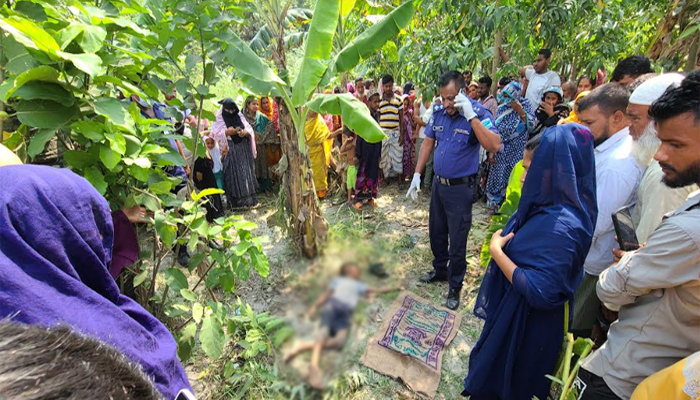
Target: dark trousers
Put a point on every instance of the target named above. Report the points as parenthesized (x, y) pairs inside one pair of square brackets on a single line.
[(592, 387), (449, 225)]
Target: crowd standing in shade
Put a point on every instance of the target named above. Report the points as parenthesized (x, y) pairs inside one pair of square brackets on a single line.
[(584, 150)]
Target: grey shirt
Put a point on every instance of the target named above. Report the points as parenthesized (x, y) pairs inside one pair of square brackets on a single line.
[(347, 290), (658, 289)]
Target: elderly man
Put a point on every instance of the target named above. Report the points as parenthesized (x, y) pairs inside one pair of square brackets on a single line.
[(654, 199), (657, 287), (457, 130), (617, 177)]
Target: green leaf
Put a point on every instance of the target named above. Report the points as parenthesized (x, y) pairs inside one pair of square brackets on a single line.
[(95, 177), (189, 332), (18, 58), (32, 10), (355, 114), (209, 72), (212, 337), (115, 111), (45, 113), (371, 40), (260, 262), (117, 142), (29, 34), (197, 312), (252, 70), (127, 88), (346, 6), (68, 34), (93, 38), (166, 231), (227, 281), (317, 54), (188, 294), (78, 159), (46, 91), (390, 52), (109, 157), (89, 129), (282, 335), (39, 140), (140, 278), (43, 73), (88, 63), (175, 279)]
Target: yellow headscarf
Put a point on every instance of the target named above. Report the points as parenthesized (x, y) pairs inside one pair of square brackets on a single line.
[(267, 113), (573, 116)]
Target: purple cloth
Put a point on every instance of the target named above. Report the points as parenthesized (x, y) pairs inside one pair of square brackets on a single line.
[(126, 244), (56, 237)]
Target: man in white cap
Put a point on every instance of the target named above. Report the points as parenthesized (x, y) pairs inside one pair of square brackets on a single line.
[(654, 198)]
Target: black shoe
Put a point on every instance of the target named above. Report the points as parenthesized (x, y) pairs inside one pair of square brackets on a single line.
[(452, 299), (432, 277), (183, 257)]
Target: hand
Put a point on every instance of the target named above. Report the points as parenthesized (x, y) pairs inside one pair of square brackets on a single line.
[(135, 214), (355, 161), (224, 152), (414, 188), (517, 107), (498, 241), (187, 169), (547, 108), (491, 158), (618, 254), (311, 313), (464, 106), (230, 131)]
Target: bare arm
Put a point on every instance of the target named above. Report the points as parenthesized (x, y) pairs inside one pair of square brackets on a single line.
[(320, 301), (424, 154), (490, 141), (381, 291)]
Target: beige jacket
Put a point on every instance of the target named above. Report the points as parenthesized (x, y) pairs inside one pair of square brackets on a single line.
[(658, 289)]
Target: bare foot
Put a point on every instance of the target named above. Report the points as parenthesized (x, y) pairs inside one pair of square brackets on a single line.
[(358, 205), (315, 378)]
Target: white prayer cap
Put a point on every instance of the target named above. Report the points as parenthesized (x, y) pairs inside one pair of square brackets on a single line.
[(649, 91)]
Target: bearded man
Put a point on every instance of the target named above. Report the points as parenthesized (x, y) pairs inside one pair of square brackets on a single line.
[(654, 199)]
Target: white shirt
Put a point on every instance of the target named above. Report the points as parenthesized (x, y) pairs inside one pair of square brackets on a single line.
[(655, 199), (538, 84), (617, 178), (421, 113)]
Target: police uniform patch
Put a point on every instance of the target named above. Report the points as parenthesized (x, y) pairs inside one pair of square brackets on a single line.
[(487, 123), (461, 131)]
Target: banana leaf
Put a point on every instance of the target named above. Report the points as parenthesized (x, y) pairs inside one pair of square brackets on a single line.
[(317, 53), (507, 209), (355, 114), (252, 70), (374, 38)]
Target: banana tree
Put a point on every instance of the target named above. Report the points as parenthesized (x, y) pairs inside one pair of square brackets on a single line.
[(317, 68)]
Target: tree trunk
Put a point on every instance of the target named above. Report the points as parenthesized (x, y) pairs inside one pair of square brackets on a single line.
[(305, 220), (496, 60)]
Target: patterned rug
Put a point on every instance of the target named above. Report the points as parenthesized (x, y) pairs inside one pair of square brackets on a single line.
[(411, 341)]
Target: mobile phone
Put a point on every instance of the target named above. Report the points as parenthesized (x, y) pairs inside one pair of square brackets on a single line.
[(624, 229), (185, 395)]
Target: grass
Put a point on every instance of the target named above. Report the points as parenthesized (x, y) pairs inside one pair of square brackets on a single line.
[(395, 235)]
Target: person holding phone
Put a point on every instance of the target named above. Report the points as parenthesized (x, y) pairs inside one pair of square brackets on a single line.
[(658, 286)]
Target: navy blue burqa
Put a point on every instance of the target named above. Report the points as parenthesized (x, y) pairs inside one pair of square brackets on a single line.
[(553, 226)]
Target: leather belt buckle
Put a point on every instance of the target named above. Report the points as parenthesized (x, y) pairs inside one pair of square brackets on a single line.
[(444, 181)]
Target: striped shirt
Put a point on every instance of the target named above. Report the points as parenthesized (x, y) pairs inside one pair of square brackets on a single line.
[(389, 113)]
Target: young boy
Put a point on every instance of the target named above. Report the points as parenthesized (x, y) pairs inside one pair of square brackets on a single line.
[(347, 150), (340, 301)]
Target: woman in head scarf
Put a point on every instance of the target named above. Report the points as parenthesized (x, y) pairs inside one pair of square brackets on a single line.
[(268, 116), (551, 110), (239, 161), (573, 115), (262, 172), (56, 251), (207, 174), (537, 265), (317, 139), (514, 119)]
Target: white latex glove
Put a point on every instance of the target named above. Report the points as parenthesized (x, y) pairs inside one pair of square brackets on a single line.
[(464, 106), (415, 187)]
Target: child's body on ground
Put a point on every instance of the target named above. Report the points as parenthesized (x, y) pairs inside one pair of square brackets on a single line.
[(339, 303)]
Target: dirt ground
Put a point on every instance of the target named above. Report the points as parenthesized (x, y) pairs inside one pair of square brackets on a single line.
[(396, 235)]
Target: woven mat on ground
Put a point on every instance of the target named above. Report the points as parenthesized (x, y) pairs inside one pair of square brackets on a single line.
[(411, 341)]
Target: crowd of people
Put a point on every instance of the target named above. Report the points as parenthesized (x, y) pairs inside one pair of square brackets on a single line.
[(589, 153)]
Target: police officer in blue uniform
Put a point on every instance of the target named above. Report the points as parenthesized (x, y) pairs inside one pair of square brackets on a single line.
[(457, 129)]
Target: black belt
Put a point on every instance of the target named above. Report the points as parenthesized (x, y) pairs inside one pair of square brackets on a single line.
[(457, 181)]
